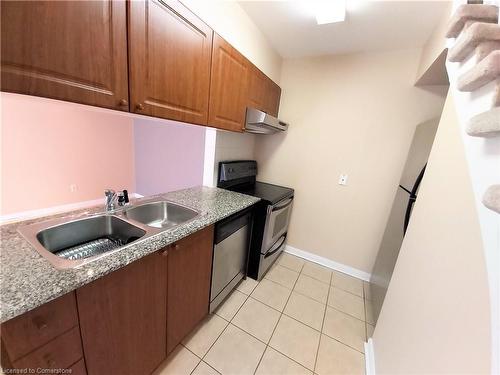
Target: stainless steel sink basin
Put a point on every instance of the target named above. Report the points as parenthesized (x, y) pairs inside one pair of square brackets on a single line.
[(70, 242), (160, 214), (67, 244)]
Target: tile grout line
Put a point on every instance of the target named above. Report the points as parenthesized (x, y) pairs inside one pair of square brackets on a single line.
[(298, 321), (200, 360), (324, 314), (278, 322), (330, 283), (333, 271), (225, 328), (326, 306), (322, 326)]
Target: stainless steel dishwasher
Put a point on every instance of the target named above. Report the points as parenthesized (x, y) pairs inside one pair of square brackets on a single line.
[(231, 244)]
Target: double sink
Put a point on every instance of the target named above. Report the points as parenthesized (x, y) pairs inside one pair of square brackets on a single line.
[(72, 242)]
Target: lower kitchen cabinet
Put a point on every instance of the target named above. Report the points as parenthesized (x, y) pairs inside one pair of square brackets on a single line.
[(189, 276), (123, 323), (47, 337), (123, 318)]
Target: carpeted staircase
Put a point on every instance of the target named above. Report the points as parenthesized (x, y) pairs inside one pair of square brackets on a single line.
[(476, 46)]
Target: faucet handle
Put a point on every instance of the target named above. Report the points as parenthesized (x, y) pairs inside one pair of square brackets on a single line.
[(122, 198), (125, 195), (109, 193)]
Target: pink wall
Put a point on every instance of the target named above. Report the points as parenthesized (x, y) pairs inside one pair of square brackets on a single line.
[(168, 155), (49, 145)]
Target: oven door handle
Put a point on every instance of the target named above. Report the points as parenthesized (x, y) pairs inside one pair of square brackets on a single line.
[(276, 246), (285, 204)]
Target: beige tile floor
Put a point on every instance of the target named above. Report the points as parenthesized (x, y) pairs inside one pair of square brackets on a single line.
[(302, 318)]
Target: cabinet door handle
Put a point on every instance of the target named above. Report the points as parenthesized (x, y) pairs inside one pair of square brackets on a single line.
[(123, 103), (51, 363), (40, 323), (164, 252), (139, 107), (175, 246)]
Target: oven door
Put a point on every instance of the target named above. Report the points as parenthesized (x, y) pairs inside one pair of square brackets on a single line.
[(267, 259), (278, 217)]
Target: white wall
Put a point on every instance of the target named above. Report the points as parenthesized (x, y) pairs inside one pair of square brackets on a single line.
[(352, 114), (436, 314)]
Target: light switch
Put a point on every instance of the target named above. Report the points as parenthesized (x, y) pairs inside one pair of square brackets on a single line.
[(343, 179)]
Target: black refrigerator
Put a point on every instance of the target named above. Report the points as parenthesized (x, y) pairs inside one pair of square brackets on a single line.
[(400, 215)]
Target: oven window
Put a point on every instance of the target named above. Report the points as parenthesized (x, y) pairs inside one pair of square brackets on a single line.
[(280, 222)]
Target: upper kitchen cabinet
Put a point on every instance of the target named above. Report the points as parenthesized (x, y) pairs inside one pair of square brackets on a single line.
[(263, 93), (257, 84), (67, 50), (169, 54), (228, 89), (272, 98)]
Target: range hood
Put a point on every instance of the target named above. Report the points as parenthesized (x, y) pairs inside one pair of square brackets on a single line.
[(259, 122)]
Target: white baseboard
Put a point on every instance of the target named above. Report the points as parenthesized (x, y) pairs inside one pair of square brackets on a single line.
[(369, 357), (32, 214), (328, 263)]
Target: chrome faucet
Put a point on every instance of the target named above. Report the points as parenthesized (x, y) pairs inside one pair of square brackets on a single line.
[(111, 198), (114, 198)]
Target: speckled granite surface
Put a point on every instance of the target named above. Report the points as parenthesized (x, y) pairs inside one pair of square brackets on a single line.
[(28, 280)]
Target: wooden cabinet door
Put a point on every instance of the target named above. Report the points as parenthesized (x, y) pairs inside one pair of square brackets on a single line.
[(169, 52), (257, 86), (67, 50), (263, 93), (37, 327), (189, 276), (123, 318), (228, 87), (272, 98)]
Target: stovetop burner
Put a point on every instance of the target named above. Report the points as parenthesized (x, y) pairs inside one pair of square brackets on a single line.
[(239, 176), (268, 192)]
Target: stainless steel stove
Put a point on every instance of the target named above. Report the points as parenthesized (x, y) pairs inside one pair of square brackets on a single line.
[(271, 214)]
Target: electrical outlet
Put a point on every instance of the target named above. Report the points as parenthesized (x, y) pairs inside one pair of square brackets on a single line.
[(73, 188), (343, 179)]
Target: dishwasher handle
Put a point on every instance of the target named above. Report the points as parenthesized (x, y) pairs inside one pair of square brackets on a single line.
[(231, 225)]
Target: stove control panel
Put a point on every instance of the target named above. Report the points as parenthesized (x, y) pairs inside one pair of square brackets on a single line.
[(234, 170)]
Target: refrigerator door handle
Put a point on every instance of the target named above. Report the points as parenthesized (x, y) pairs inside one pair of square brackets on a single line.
[(409, 207), (413, 198)]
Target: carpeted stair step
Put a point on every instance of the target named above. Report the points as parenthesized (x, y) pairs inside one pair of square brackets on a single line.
[(484, 72), (485, 48), (496, 96), (477, 34), (486, 124), (468, 13), (491, 198)]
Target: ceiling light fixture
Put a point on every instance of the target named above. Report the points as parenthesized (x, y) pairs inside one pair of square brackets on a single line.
[(328, 11)]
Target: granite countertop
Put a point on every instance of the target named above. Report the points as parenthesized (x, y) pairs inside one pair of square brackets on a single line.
[(27, 280)]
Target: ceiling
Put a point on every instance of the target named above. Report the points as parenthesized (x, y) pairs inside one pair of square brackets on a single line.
[(370, 25)]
